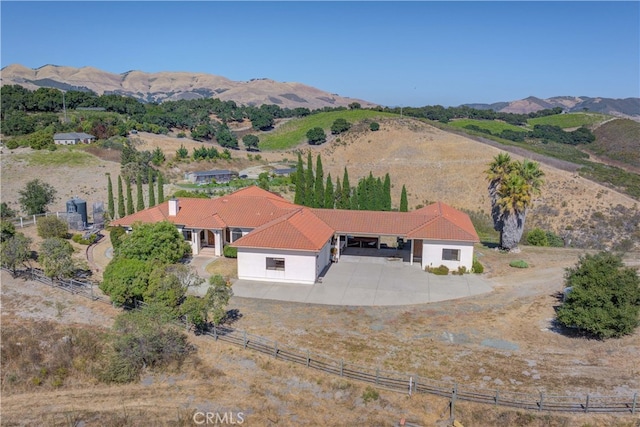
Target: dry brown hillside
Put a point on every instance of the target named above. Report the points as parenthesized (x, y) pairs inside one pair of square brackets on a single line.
[(433, 164)]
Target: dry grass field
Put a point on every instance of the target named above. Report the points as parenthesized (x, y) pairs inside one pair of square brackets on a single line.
[(503, 340)]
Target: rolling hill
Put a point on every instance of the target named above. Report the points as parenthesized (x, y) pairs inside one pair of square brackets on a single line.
[(163, 86)]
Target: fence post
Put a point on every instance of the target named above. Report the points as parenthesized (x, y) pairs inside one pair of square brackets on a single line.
[(34, 220), (586, 406), (244, 334), (415, 383), (21, 223), (215, 332), (635, 401), (341, 367), (497, 396), (410, 385), (377, 376), (454, 396), (275, 349), (308, 359), (541, 401)]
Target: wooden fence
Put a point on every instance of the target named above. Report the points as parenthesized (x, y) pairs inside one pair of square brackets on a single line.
[(389, 380)]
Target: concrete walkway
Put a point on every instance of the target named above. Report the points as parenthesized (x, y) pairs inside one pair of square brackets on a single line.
[(361, 281)]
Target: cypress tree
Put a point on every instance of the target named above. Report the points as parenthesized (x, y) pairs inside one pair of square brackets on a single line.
[(379, 195), (404, 204), (386, 193), (139, 195), (300, 184), (328, 194), (337, 195), (121, 213), (110, 202), (130, 209), (309, 184), (353, 200), (152, 193), (160, 188), (319, 184), (346, 191)]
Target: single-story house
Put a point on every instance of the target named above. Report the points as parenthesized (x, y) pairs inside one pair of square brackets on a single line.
[(283, 242), (73, 138), (206, 177)]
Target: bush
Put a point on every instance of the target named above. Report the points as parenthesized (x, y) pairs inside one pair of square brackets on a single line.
[(78, 238), (554, 240), (518, 263), (443, 270), (605, 297), (537, 237), (370, 394), (51, 226), (230, 252), (477, 267), (374, 126), (116, 234)]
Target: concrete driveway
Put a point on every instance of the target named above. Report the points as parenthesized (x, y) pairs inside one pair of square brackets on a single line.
[(369, 281)]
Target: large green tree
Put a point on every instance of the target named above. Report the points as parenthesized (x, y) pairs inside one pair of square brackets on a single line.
[(603, 298), (125, 280), (159, 241), (152, 194), (36, 196), (217, 298), (160, 188), (15, 251), (316, 136), (55, 258), (329, 198), (512, 185)]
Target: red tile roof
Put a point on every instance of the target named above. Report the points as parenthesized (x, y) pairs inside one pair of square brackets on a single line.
[(280, 224), (300, 230)]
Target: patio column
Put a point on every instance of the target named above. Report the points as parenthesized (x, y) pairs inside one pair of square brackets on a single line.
[(337, 247), (411, 256), (195, 241), (217, 242)]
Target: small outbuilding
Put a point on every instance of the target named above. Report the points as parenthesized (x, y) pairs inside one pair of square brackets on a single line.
[(206, 177), (73, 138)]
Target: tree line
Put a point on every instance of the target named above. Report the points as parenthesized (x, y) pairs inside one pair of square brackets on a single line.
[(371, 193)]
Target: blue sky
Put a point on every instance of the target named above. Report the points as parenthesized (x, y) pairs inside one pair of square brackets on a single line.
[(390, 53)]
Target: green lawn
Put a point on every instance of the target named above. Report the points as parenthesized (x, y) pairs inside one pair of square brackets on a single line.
[(294, 132), (570, 120), (63, 156), (491, 125)]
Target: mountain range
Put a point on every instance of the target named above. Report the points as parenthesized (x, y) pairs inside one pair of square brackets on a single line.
[(164, 86)]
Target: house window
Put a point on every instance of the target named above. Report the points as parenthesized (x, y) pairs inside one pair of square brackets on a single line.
[(451, 254), (186, 234), (275, 264), (236, 233)]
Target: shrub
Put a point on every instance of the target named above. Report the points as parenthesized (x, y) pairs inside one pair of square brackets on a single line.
[(443, 270), (51, 226), (230, 252), (78, 238), (537, 237), (374, 126), (370, 394), (554, 240), (477, 267), (518, 263), (605, 297), (461, 270)]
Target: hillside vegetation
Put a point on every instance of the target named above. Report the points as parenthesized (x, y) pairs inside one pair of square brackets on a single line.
[(571, 120), (618, 140), (294, 131)]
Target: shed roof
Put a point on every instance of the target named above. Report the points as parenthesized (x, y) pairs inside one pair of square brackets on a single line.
[(73, 135)]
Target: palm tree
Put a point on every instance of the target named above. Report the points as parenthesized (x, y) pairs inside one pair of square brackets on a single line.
[(512, 185), (498, 171)]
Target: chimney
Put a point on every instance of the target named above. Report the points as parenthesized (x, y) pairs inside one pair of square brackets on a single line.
[(173, 207)]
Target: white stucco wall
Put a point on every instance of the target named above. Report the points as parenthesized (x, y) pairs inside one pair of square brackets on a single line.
[(432, 254), (65, 141), (300, 266)]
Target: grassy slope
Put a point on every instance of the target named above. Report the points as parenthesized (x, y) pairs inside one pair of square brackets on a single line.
[(571, 120), (63, 156), (618, 140), (294, 132), (492, 125)]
